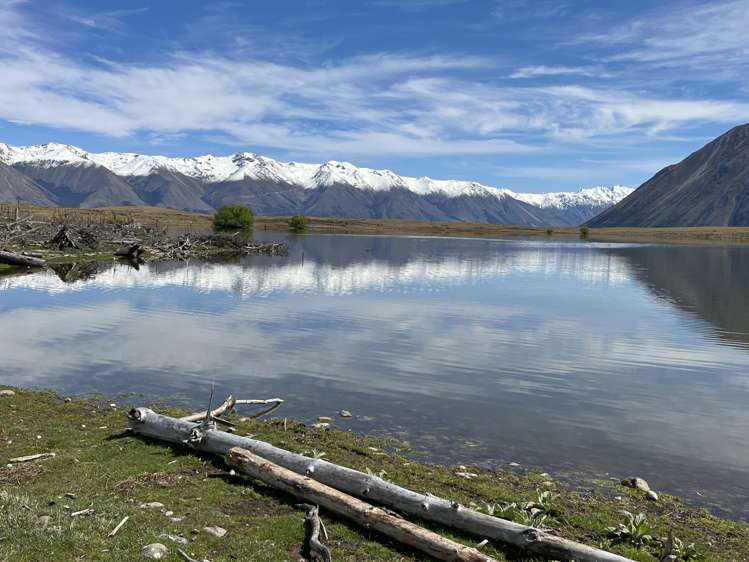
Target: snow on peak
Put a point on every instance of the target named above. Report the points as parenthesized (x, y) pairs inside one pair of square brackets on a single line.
[(248, 165), (599, 196)]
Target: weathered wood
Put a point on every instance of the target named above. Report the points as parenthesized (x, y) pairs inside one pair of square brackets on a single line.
[(313, 548), (11, 258), (228, 406), (146, 422), (133, 251), (366, 515)]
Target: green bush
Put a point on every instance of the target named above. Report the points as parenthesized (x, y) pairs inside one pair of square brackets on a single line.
[(298, 223), (583, 232), (233, 217)]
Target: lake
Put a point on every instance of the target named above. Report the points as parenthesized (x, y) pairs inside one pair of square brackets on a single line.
[(586, 360)]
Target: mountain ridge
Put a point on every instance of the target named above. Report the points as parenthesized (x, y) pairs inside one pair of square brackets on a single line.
[(334, 189), (710, 187)]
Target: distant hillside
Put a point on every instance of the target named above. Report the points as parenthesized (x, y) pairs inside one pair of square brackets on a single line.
[(708, 188), (67, 176)]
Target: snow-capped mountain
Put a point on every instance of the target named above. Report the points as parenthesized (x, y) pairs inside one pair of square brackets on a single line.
[(71, 176)]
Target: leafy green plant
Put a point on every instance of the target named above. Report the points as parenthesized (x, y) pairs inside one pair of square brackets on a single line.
[(315, 454), (533, 513), (233, 217), (634, 530), (298, 223), (675, 549), (549, 232), (543, 502)]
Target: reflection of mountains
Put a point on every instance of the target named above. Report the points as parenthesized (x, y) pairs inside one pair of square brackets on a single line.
[(711, 282), (336, 265)]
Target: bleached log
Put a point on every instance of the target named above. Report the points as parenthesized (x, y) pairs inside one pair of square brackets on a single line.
[(228, 405), (11, 258), (145, 421), (366, 515)]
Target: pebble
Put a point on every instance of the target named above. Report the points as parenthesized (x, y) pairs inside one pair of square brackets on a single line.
[(7, 393), (155, 551), (636, 483), (168, 513), (514, 464), (321, 425), (215, 531), (151, 505), (324, 419), (174, 538), (345, 414), (651, 495)]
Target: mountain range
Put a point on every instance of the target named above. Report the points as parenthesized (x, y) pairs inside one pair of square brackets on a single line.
[(708, 188), (66, 176)]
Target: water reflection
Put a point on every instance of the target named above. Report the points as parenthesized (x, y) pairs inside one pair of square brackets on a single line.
[(564, 356)]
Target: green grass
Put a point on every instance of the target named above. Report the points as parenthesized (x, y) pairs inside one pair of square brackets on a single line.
[(99, 465)]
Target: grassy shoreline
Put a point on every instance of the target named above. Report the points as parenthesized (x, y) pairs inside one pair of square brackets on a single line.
[(97, 465), (194, 221)]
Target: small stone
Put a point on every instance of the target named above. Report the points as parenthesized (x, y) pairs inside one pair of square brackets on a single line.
[(545, 475), (514, 465), (174, 538), (151, 505), (651, 495), (68, 400), (44, 521), (155, 551), (618, 498), (321, 425), (7, 392), (324, 419), (636, 483), (344, 414), (217, 532), (168, 513)]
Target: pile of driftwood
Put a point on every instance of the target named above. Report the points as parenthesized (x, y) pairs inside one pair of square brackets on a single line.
[(362, 498), (131, 240)]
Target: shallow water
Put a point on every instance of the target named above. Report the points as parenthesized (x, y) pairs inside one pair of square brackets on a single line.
[(568, 357)]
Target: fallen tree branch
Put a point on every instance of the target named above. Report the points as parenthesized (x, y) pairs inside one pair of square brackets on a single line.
[(11, 258), (314, 549), (228, 406), (351, 508), (145, 421)]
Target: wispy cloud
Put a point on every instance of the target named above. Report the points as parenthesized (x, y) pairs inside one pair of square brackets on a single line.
[(710, 36), (376, 104), (105, 21), (415, 5), (543, 70)]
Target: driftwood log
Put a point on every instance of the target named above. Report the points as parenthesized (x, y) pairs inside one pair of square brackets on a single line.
[(11, 258), (133, 252), (364, 514), (312, 549), (145, 421)]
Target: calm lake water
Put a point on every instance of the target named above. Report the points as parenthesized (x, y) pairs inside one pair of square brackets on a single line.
[(581, 359)]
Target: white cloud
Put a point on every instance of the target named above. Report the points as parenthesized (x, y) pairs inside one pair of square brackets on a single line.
[(378, 104)]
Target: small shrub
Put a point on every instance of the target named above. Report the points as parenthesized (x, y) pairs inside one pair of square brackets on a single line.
[(233, 217), (584, 232), (634, 530), (298, 223), (549, 232)]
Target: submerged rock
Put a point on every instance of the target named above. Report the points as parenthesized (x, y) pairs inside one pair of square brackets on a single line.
[(155, 551), (636, 483), (344, 414)]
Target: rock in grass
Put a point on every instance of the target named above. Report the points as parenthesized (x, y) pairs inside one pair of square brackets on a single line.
[(324, 419), (217, 532), (155, 551), (651, 495), (151, 505), (174, 538), (636, 483), (7, 392)]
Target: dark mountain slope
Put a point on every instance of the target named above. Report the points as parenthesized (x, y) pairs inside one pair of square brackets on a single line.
[(708, 188), (17, 187), (82, 185), (165, 188)]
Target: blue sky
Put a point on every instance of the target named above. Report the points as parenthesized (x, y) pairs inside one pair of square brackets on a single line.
[(532, 95)]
